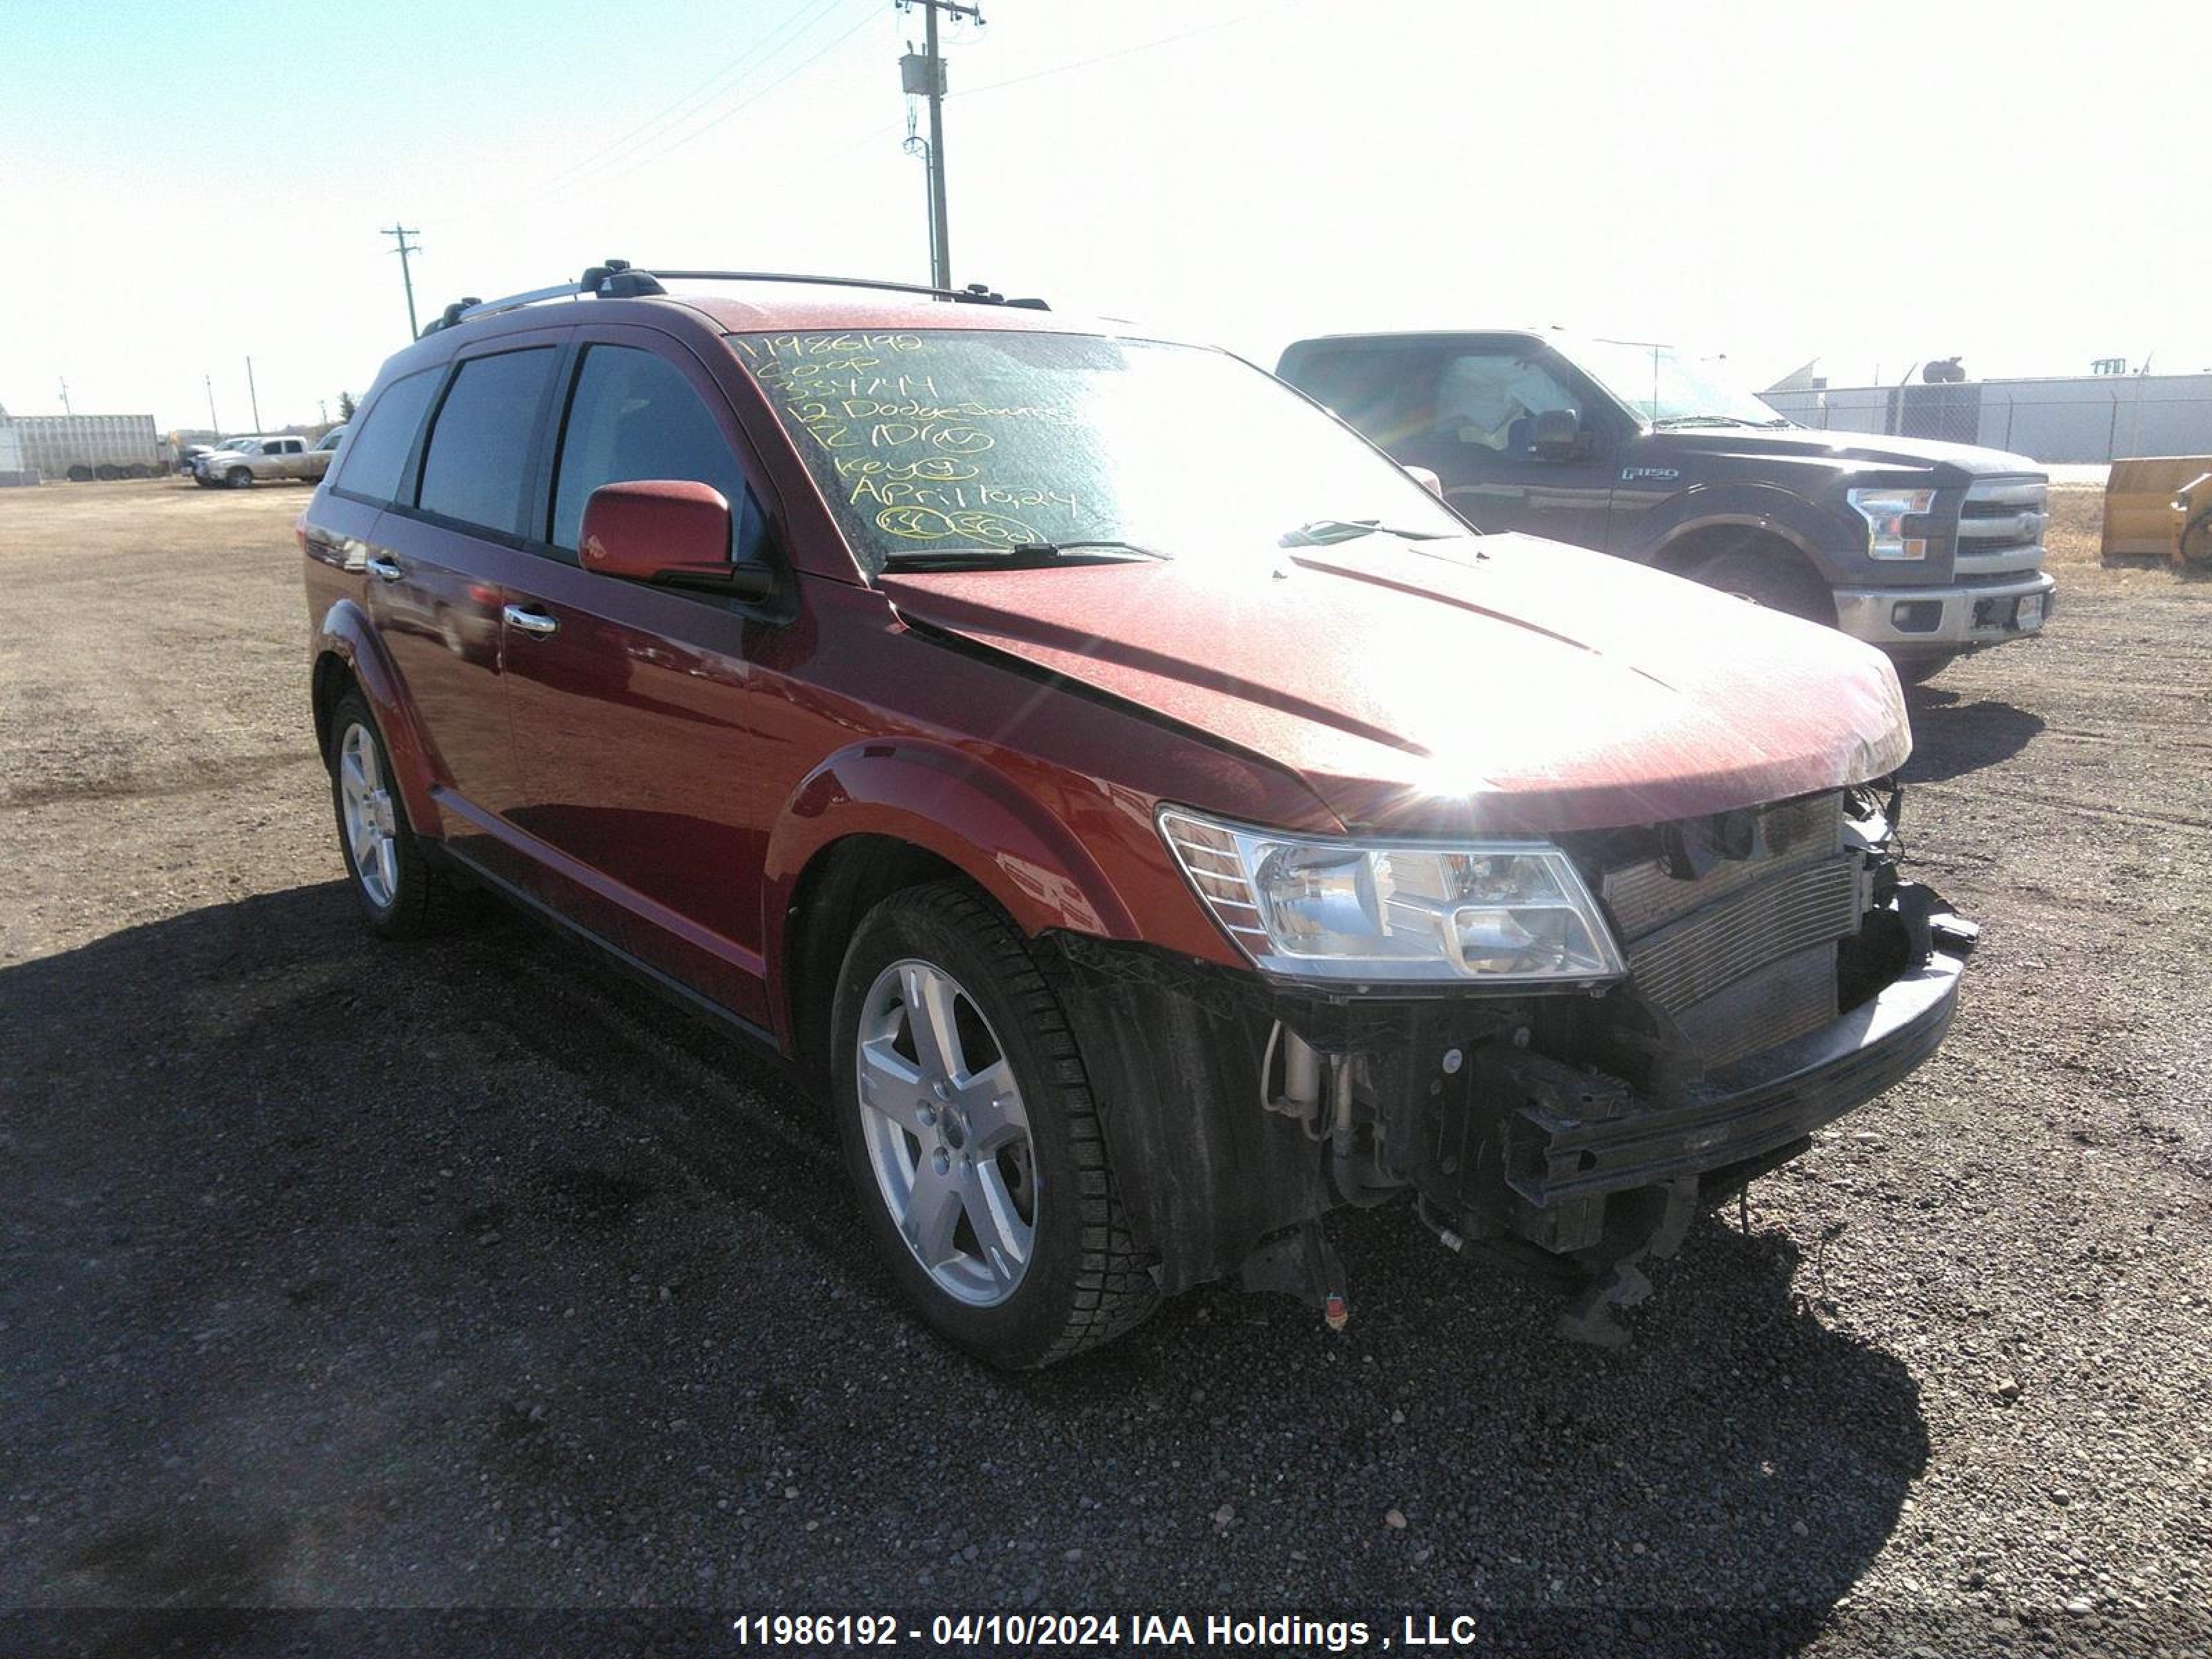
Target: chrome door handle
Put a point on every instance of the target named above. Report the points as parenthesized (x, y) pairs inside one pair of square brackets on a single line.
[(388, 569), (531, 622)]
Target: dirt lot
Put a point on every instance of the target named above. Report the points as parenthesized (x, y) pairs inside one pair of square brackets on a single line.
[(462, 1275)]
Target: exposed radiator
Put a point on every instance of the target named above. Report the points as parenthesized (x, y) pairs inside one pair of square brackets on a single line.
[(1743, 957)]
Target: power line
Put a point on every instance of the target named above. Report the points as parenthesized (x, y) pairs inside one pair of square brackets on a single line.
[(1130, 52), (737, 109), (704, 94), (590, 173)]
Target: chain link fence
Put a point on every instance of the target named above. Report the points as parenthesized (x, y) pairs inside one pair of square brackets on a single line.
[(2099, 420)]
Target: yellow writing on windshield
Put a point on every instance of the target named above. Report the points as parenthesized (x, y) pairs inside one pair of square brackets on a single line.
[(910, 451), (924, 523)]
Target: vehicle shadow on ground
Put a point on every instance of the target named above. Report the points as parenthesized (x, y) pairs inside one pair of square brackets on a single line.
[(1952, 737), (468, 1273)]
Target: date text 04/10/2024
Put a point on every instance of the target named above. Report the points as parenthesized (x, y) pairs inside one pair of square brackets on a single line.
[(1273, 1632)]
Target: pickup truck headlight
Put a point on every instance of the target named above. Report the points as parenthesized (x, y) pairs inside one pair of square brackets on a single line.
[(1886, 511), (1496, 913)]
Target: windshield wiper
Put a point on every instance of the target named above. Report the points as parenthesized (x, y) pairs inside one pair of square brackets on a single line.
[(1321, 533), (1716, 420), (1022, 555)]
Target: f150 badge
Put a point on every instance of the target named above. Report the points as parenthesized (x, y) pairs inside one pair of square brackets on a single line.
[(1654, 474)]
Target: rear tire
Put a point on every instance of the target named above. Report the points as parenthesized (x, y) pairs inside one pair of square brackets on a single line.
[(401, 896), (981, 1166), (1772, 579)]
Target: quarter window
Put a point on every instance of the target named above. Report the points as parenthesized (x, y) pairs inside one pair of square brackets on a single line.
[(635, 415), (480, 439), (378, 452)]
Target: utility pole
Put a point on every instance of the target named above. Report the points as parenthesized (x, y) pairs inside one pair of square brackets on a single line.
[(66, 409), (253, 396), (401, 233), (323, 405), (214, 426), (926, 75)]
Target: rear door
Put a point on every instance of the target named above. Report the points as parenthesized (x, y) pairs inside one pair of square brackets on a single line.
[(633, 706), (445, 547)]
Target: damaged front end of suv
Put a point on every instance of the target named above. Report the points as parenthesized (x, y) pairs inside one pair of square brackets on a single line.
[(1561, 1050)]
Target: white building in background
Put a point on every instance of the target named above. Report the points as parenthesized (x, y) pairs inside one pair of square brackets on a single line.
[(2086, 417)]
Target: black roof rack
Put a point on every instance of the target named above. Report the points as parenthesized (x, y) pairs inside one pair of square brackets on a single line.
[(975, 294), (617, 279)]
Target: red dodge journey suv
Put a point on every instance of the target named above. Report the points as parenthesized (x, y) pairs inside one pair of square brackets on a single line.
[(1149, 816)]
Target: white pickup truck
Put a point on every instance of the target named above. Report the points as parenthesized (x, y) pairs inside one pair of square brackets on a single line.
[(242, 461)]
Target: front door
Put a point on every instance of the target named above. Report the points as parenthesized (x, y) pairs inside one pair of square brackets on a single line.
[(630, 704), (1480, 439)]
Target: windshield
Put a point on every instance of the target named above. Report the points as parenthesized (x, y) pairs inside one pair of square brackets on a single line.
[(930, 444), (1667, 388)]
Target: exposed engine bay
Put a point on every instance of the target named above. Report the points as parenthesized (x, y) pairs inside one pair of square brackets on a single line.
[(1781, 971)]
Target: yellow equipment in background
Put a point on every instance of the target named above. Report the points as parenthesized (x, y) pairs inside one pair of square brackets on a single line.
[(2160, 505)]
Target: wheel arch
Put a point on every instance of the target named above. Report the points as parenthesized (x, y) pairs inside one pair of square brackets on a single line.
[(1703, 540), (883, 815), (347, 657), (840, 885)]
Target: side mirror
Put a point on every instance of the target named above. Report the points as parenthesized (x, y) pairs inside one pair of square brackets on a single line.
[(1428, 480), (668, 531), (1557, 431)]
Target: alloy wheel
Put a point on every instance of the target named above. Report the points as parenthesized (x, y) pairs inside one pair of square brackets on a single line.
[(371, 825), (946, 1132)]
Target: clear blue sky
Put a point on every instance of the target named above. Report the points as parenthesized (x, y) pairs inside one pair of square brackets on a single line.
[(185, 184)]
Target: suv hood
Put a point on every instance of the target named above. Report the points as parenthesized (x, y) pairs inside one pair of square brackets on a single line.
[(1493, 684), (1855, 448)]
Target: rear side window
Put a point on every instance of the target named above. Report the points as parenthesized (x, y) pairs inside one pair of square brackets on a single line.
[(378, 452), (633, 415), (480, 441)]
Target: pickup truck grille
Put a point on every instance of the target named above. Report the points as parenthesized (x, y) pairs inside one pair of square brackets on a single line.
[(2001, 526), (1744, 957)]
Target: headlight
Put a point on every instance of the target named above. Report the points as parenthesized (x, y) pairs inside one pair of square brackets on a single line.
[(1886, 511), (1503, 913)]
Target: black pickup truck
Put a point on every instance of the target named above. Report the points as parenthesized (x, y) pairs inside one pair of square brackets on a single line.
[(1926, 549)]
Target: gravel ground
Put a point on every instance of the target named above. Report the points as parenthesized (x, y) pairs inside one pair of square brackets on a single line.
[(463, 1275)]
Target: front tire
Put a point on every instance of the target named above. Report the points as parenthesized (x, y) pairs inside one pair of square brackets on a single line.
[(1918, 670), (238, 478), (1771, 578), (399, 895), (972, 1137)]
